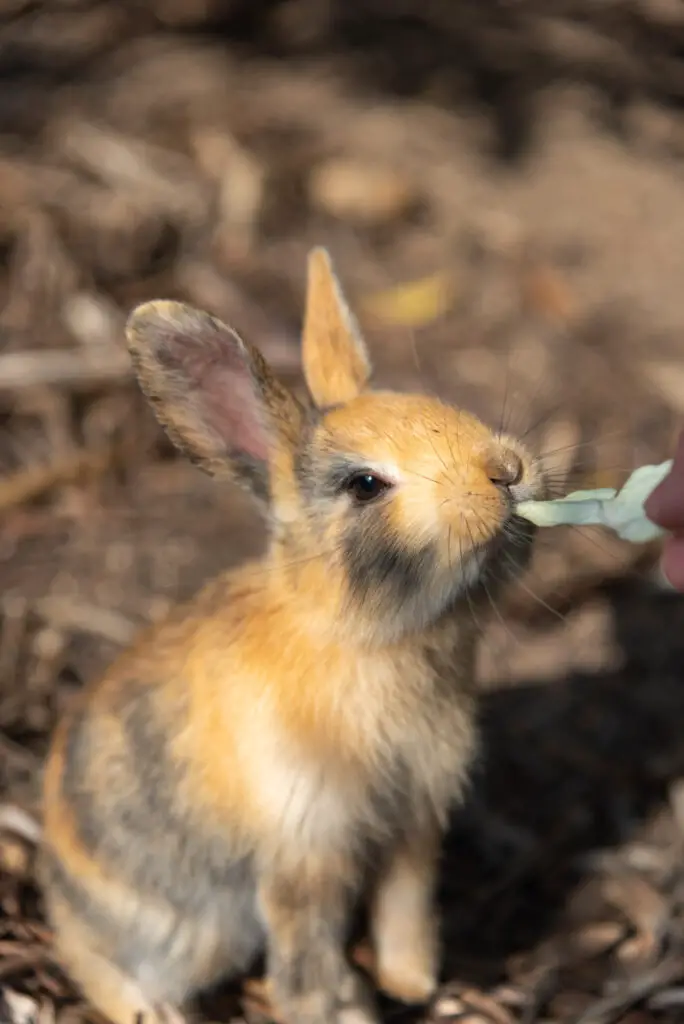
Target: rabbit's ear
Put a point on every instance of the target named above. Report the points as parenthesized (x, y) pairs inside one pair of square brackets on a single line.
[(336, 363), (212, 392)]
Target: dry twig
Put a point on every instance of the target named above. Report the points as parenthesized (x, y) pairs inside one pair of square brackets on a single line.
[(33, 481)]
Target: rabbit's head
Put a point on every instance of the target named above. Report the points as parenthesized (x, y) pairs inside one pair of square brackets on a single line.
[(386, 509)]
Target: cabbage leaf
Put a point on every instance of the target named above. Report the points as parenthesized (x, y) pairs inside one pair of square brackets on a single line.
[(621, 511)]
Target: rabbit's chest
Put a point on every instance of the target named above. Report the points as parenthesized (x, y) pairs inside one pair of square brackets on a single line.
[(376, 748), (425, 756), (413, 757)]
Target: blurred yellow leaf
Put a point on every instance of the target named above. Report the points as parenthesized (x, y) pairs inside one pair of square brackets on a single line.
[(414, 303)]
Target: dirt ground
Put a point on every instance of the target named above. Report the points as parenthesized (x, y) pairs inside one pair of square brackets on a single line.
[(501, 186)]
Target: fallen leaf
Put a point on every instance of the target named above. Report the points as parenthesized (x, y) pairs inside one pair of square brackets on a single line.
[(596, 938), (414, 303), (364, 192)]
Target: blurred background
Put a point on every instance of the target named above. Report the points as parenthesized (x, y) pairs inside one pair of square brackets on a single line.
[(501, 186)]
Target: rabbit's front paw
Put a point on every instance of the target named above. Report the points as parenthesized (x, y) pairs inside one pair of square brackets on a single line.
[(353, 1003), (411, 985), (407, 970)]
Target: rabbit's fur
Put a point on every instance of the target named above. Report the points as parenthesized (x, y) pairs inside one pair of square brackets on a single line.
[(290, 741)]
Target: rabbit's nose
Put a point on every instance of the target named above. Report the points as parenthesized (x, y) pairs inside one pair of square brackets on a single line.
[(505, 468)]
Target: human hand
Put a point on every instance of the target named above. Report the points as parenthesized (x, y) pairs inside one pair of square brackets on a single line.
[(665, 507)]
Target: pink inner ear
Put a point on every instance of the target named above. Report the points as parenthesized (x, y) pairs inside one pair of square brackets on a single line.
[(232, 411), (224, 392)]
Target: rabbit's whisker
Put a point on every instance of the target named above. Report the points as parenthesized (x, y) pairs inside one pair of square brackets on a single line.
[(535, 597)]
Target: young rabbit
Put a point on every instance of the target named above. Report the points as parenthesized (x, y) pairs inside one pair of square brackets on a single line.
[(288, 743)]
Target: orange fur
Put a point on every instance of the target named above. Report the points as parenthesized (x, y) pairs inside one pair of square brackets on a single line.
[(291, 739), (336, 363)]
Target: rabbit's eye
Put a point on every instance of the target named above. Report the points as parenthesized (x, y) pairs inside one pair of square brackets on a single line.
[(366, 487)]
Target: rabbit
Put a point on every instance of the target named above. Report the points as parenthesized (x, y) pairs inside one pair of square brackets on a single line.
[(286, 747)]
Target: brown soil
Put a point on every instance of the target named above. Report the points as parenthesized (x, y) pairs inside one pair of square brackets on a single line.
[(529, 157)]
